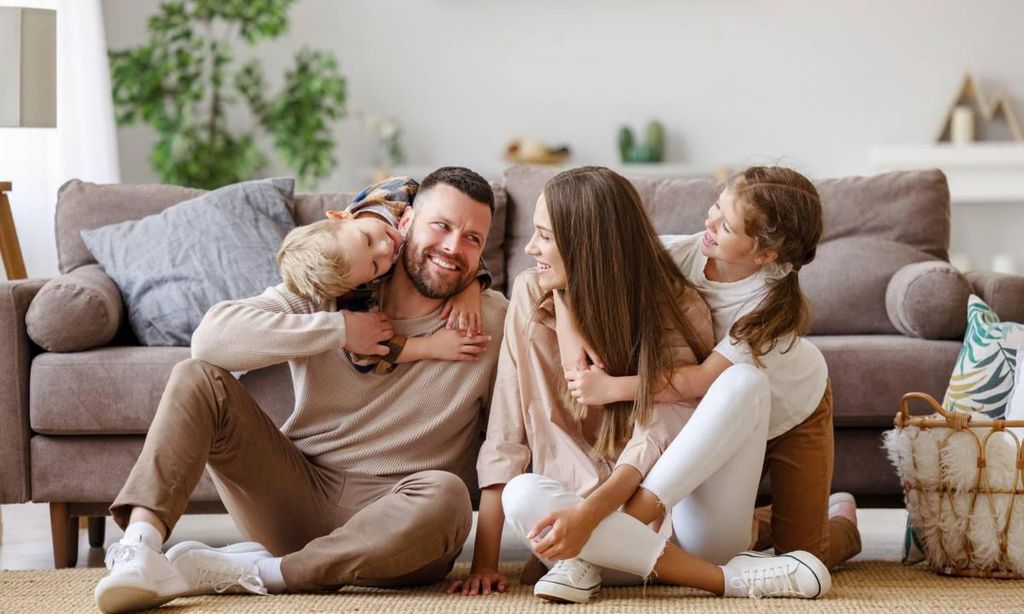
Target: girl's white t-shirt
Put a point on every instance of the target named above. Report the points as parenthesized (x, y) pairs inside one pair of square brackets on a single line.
[(798, 376)]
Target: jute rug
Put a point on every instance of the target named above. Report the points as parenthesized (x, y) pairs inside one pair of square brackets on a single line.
[(860, 587)]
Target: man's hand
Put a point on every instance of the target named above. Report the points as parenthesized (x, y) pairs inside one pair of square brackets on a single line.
[(480, 582), (562, 533), (593, 386), (365, 332), (448, 344)]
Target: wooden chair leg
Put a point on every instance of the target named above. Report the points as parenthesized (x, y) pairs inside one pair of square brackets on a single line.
[(64, 531), (97, 531)]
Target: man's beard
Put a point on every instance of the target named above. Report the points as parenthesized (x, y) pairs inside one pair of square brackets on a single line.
[(427, 282)]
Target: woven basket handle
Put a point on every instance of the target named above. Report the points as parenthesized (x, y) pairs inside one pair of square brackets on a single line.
[(903, 418), (957, 420)]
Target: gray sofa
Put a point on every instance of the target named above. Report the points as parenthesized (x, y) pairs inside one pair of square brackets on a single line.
[(889, 312)]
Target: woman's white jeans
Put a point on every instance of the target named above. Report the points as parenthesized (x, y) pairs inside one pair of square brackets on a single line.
[(707, 477)]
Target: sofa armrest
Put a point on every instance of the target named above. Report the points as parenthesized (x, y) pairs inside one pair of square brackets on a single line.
[(15, 356), (1002, 292)]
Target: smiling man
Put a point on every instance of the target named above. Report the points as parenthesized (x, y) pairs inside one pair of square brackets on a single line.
[(365, 484)]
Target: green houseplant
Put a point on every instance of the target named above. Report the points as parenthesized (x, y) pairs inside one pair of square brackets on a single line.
[(182, 83)]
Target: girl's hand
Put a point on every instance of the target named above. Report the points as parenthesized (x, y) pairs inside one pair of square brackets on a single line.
[(448, 344), (463, 311), (479, 582), (593, 386), (562, 533)]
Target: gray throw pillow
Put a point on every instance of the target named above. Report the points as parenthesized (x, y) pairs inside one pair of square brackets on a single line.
[(173, 266)]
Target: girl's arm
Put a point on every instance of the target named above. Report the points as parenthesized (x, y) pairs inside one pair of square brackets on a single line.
[(571, 527), (483, 575), (595, 387)]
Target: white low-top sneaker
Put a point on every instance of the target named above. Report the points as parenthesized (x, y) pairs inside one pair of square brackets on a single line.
[(140, 578), (209, 571), (797, 574), (569, 581), (240, 548)]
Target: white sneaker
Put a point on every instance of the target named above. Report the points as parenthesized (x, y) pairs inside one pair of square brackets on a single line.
[(140, 578), (797, 574), (569, 581), (240, 548), (209, 571)]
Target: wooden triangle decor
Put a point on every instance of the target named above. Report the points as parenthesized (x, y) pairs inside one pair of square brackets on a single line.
[(971, 95)]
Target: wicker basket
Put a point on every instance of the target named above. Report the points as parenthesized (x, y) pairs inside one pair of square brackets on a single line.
[(963, 480)]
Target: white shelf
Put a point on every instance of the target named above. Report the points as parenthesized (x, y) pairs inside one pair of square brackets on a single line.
[(977, 173)]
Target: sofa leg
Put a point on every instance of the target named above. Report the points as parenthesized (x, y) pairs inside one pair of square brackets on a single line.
[(64, 531), (97, 531)]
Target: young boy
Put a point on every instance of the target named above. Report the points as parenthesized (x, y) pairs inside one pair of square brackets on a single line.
[(345, 258)]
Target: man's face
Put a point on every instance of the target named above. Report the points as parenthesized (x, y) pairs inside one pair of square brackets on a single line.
[(444, 241)]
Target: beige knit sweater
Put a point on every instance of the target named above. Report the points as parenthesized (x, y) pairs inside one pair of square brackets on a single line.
[(424, 415)]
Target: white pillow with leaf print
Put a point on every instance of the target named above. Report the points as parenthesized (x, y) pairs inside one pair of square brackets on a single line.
[(984, 372)]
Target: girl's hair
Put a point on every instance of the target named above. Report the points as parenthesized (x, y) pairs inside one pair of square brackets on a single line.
[(782, 212), (311, 264), (623, 289)]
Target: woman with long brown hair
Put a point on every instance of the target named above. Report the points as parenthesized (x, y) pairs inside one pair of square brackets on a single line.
[(602, 271)]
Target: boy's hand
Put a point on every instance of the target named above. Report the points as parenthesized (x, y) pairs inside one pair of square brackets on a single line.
[(453, 345), (593, 386), (480, 582), (364, 332), (462, 311)]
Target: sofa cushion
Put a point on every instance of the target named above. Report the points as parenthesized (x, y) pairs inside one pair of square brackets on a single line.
[(75, 311), (871, 373), (866, 223), (116, 390), (173, 266), (928, 300)]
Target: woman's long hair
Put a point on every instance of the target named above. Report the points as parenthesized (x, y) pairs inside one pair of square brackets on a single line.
[(623, 290), (782, 212)]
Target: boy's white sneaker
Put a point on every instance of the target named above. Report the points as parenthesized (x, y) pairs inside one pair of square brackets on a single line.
[(569, 581), (240, 548), (797, 574), (209, 571), (140, 578)]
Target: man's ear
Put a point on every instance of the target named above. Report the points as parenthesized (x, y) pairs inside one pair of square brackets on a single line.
[(766, 256), (338, 215), (406, 221)]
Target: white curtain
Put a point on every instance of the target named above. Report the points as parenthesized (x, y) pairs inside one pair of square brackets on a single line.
[(83, 145)]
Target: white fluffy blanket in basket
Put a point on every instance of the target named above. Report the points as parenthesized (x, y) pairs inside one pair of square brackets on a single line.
[(959, 523)]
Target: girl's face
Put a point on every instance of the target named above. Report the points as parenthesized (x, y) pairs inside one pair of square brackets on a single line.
[(544, 250), (726, 239)]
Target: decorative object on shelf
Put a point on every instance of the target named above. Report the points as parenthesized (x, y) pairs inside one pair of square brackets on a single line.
[(970, 110), (651, 150), (179, 83), (10, 249), (534, 151)]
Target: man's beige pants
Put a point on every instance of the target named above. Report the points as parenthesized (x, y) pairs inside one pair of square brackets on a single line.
[(333, 528)]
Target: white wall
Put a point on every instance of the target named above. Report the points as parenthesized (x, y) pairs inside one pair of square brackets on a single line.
[(802, 82)]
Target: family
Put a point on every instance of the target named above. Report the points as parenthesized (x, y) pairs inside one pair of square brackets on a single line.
[(634, 390)]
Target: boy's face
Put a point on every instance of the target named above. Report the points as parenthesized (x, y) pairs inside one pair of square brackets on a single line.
[(370, 245)]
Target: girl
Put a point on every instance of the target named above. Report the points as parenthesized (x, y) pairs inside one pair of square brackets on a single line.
[(764, 227), (601, 266)]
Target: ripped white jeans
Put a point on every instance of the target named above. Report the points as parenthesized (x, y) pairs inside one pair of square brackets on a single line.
[(707, 477)]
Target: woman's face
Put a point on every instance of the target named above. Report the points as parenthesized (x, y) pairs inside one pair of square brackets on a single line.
[(544, 250)]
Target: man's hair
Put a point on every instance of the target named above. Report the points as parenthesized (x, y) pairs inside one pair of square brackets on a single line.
[(464, 180), (311, 264)]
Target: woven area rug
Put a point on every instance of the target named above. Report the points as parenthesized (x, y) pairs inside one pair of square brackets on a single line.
[(860, 587)]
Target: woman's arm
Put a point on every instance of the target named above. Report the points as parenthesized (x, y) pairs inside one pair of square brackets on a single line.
[(571, 527)]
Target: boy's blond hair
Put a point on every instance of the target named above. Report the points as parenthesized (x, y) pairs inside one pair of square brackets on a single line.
[(311, 264)]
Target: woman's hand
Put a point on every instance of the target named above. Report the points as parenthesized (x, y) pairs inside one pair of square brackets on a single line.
[(575, 353), (563, 533), (479, 582), (593, 386)]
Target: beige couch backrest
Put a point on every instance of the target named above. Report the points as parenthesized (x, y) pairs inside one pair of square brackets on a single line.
[(873, 227)]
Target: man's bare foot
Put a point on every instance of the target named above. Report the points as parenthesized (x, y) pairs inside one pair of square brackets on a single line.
[(843, 504)]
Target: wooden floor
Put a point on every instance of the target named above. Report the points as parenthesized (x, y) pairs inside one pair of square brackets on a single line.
[(26, 537)]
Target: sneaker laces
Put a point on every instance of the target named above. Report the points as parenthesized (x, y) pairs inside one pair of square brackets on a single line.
[(221, 578), (575, 569), (119, 552), (774, 581)]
